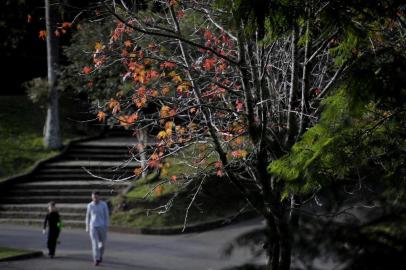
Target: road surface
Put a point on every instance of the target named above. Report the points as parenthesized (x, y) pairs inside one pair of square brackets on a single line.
[(196, 251)]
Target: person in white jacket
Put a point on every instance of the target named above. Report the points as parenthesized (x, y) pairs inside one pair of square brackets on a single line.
[(97, 223)]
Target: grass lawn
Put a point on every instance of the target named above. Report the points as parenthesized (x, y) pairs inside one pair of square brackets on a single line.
[(21, 124), (21, 134), (11, 252)]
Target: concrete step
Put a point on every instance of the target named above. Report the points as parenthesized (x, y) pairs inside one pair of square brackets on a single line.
[(65, 208), (79, 176), (112, 142), (40, 222), (80, 170), (94, 184), (86, 157), (41, 215), (92, 164), (43, 199), (79, 149), (31, 192)]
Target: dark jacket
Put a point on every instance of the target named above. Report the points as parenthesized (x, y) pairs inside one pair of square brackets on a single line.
[(52, 219)]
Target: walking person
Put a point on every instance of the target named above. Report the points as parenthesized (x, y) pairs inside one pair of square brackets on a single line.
[(97, 222), (53, 220)]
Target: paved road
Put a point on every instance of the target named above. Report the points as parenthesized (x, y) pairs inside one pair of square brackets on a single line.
[(197, 251)]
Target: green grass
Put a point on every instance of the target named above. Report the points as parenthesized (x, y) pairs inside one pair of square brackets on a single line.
[(11, 252), (21, 134), (21, 124)]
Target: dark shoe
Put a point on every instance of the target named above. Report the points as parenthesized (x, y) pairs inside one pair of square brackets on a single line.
[(51, 256), (96, 263)]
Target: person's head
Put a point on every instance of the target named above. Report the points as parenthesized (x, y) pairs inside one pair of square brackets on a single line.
[(51, 206), (95, 196)]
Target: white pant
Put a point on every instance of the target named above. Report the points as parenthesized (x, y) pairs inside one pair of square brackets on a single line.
[(98, 236)]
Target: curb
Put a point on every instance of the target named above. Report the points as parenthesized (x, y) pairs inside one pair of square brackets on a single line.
[(192, 228), (30, 255)]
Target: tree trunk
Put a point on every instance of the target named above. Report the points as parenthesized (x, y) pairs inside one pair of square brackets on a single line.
[(291, 124), (142, 143), (304, 104), (285, 246), (52, 137), (273, 248)]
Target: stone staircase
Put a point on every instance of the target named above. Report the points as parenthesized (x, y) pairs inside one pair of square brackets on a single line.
[(67, 181)]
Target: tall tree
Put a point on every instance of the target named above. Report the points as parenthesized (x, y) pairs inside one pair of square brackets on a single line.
[(52, 135), (202, 73)]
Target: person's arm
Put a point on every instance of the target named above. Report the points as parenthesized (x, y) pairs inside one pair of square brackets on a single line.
[(106, 214), (45, 223), (87, 221)]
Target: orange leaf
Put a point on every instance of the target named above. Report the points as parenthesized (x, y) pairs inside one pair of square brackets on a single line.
[(128, 43), (154, 156), (140, 76), (113, 103), (66, 25), (209, 63), (153, 164), (155, 93), (123, 121), (173, 178), (98, 46), (42, 34), (164, 111), (87, 70), (159, 190), (132, 118), (101, 116), (138, 171), (169, 125)]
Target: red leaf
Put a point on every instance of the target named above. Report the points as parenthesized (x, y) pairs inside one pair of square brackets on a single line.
[(180, 14), (87, 70), (66, 25), (239, 105), (218, 164), (207, 35), (169, 65), (209, 63), (220, 173), (42, 34)]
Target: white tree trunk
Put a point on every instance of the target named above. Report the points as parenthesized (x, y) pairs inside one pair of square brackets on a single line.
[(52, 137)]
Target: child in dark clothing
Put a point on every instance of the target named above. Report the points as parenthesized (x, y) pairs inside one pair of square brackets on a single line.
[(53, 220)]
